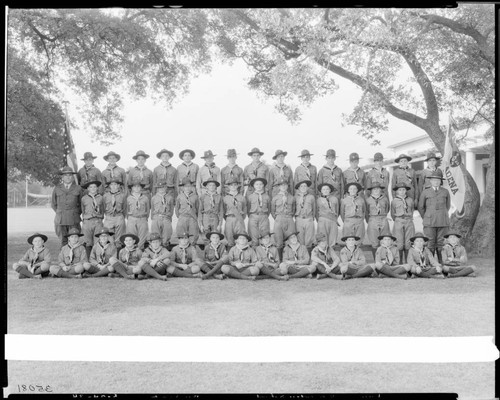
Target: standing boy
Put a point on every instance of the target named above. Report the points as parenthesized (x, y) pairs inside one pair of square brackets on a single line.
[(115, 205), (113, 171), (332, 174), (353, 211), (327, 213), (377, 208), (165, 172), (88, 172), (378, 174), (138, 209), (162, 210), (354, 174), (282, 211), (306, 172), (305, 212), (211, 213), (431, 169), (186, 210), (279, 172), (142, 173), (402, 215), (259, 208), (235, 210), (231, 172), (256, 169), (208, 172), (92, 214), (405, 174), (187, 169)]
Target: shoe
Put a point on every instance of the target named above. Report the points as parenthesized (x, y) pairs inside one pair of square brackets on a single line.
[(320, 276), (309, 276), (79, 276), (219, 277), (141, 277), (285, 277), (113, 275)]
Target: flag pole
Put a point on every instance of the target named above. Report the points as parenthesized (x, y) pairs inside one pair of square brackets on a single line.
[(26, 191)]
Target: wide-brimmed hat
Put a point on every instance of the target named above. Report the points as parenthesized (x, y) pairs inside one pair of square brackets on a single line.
[(181, 154), (376, 185), (237, 235), (158, 155), (131, 235), (279, 152), (281, 181), (330, 153), (87, 184), (263, 180), (184, 235), (320, 237), (360, 188), (114, 179), (452, 233), (403, 156), (208, 153), (231, 153), (73, 231), (353, 156), (320, 186), (140, 153), (386, 235), (103, 231), (434, 176), (233, 180), (40, 235), (305, 153), (432, 155), (209, 235), (290, 235), (306, 181), (66, 171), (211, 181), (112, 153), (255, 150), (419, 235), (154, 236), (88, 155), (401, 185), (350, 236), (265, 233), (378, 157), (135, 182), (186, 182)]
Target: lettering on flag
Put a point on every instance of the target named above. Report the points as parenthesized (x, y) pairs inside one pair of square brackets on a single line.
[(69, 157)]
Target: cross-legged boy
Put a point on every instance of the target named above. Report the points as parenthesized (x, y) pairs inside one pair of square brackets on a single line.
[(208, 172), (231, 172), (113, 171), (377, 208), (324, 259), (296, 259), (352, 260), (353, 211), (327, 213), (256, 169), (306, 172), (387, 259), (36, 261), (242, 263), (235, 210), (354, 174), (211, 212), (138, 209), (378, 174), (259, 208), (102, 252), (279, 172), (421, 260), (215, 256), (155, 258), (127, 262), (187, 169), (407, 175), (454, 257), (184, 259), (186, 210), (92, 214), (402, 215), (165, 172), (162, 210), (89, 172), (115, 205), (305, 212), (268, 259), (332, 174), (72, 257), (283, 210)]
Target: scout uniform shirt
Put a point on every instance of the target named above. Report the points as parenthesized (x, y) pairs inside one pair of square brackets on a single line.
[(327, 207), (187, 170), (268, 255), (72, 255), (433, 207), (423, 182), (377, 206), (305, 205), (35, 258), (184, 255), (253, 171), (378, 175), (130, 256), (305, 173), (229, 174), (328, 256), (111, 172), (283, 204), (165, 172), (149, 254), (139, 206), (208, 172), (351, 207), (211, 203), (259, 203), (187, 205), (92, 206), (66, 202), (162, 206), (354, 175), (355, 257), (422, 258), (88, 175), (402, 207), (406, 176), (333, 176), (235, 205), (214, 254), (245, 255), (278, 173), (454, 252), (143, 175), (300, 255), (387, 255), (114, 203), (101, 254)]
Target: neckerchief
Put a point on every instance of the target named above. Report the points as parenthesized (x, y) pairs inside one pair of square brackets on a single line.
[(421, 256), (165, 166), (334, 177), (141, 171), (212, 200), (285, 205), (306, 167), (94, 202), (113, 200), (156, 252), (211, 168), (407, 173), (268, 253), (282, 172), (377, 206), (163, 199), (254, 172), (103, 249), (128, 252), (71, 253), (350, 253), (354, 203), (295, 251), (137, 198), (87, 169), (432, 169), (183, 254), (259, 194), (356, 177), (37, 254), (188, 169), (328, 202), (403, 199), (328, 259), (187, 200), (235, 200), (453, 251), (389, 256), (381, 172), (242, 249), (302, 200), (216, 250), (111, 169)]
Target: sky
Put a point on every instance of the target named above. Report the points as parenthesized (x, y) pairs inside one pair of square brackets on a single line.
[(221, 112)]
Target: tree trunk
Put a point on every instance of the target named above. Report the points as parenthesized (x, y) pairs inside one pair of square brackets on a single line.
[(482, 239)]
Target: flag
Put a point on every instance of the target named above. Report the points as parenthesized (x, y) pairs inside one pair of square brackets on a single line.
[(69, 158), (454, 178)]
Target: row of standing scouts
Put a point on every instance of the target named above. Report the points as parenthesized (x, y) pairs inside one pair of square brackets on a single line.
[(203, 197)]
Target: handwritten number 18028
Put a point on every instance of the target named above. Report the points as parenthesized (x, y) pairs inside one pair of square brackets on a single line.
[(34, 388)]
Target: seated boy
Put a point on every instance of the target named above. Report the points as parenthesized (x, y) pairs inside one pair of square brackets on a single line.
[(72, 257), (352, 260), (127, 263), (215, 255), (100, 255), (387, 258), (455, 258), (242, 263), (184, 259), (36, 261), (324, 259), (155, 258), (268, 259), (296, 259), (421, 260)]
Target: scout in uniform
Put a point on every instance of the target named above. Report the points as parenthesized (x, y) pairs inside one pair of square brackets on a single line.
[(282, 211), (407, 175), (115, 204), (141, 173), (211, 213), (354, 174), (215, 256), (431, 169), (421, 260), (72, 257), (242, 262), (89, 172), (305, 212), (433, 206), (127, 262), (258, 210), (256, 169), (268, 259), (377, 208), (92, 214), (378, 174), (352, 260), (113, 171), (296, 259), (231, 172), (306, 172), (353, 211), (327, 213), (402, 215), (455, 258), (332, 174), (235, 210), (186, 210), (66, 202), (162, 210), (324, 259), (208, 172), (279, 172), (387, 259), (184, 259), (186, 169), (155, 258), (165, 172), (101, 255), (138, 209), (36, 261)]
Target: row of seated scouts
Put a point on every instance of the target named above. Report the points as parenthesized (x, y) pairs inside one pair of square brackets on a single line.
[(242, 261), (203, 198)]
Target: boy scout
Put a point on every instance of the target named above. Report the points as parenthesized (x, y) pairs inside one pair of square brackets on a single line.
[(242, 262), (138, 209), (282, 211), (127, 262), (387, 259), (378, 174), (231, 172), (377, 208), (66, 202), (211, 213), (235, 210), (433, 206), (352, 211), (101, 255), (296, 259), (186, 210), (187, 169), (162, 210), (256, 169), (332, 174), (115, 204), (352, 260), (327, 213), (305, 212), (431, 169), (324, 259), (141, 173), (278, 172), (455, 258), (208, 172), (420, 259), (184, 259), (402, 215), (36, 261), (405, 174), (306, 172), (354, 174), (92, 214), (113, 171), (165, 172), (155, 258), (268, 259), (89, 172), (72, 257), (215, 256), (259, 208)]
